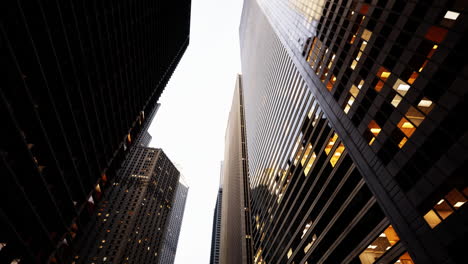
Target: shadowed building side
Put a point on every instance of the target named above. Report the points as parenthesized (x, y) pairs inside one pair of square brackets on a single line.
[(81, 79)]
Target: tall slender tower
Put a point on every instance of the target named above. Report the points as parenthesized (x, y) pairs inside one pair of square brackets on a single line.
[(81, 78), (134, 216), (216, 232), (355, 149), (235, 240)]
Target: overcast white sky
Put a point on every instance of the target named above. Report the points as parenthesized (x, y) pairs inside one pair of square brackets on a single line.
[(191, 121)]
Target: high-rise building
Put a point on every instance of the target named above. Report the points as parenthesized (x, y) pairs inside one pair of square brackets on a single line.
[(216, 232), (81, 78), (356, 152), (144, 138), (171, 238), (235, 240), (134, 216)]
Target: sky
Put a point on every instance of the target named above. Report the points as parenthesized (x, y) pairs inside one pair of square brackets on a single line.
[(190, 124)]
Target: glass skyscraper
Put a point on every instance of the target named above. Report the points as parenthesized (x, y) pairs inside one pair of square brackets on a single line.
[(356, 148), (80, 80)]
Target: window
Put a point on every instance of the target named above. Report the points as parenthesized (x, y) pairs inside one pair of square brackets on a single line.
[(309, 245), (386, 240), (375, 129), (336, 156), (436, 34), (445, 207), (451, 15), (404, 259), (306, 228), (331, 142)]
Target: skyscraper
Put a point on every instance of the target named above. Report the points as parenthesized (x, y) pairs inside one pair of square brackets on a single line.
[(134, 216), (355, 148), (171, 237), (235, 240), (81, 79), (216, 232)]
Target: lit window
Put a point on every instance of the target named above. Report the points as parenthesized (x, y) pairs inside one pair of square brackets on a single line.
[(385, 241), (331, 142), (375, 129), (331, 82), (310, 163), (404, 259), (415, 116), (378, 87), (298, 155), (308, 246), (396, 100), (354, 90), (290, 253), (401, 87), (366, 34), (425, 105), (349, 103), (451, 15), (306, 228), (406, 127), (383, 73), (455, 198), (402, 142), (363, 46), (443, 209), (336, 156), (413, 77)]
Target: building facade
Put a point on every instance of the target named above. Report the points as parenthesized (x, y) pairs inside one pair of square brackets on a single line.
[(133, 217), (235, 238), (355, 151), (81, 79), (171, 238), (216, 232)]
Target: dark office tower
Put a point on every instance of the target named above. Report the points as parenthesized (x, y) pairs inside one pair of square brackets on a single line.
[(216, 232), (235, 243), (133, 217), (171, 238), (338, 89), (79, 79)]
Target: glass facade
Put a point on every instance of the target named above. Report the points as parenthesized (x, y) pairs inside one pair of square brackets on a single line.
[(81, 81), (382, 82)]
